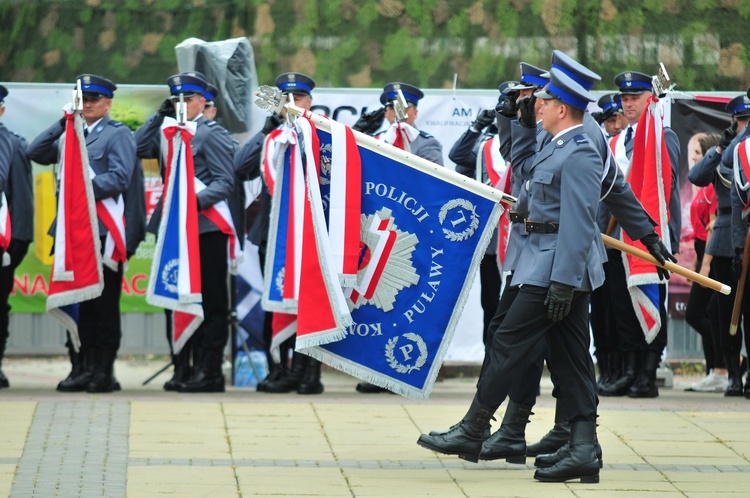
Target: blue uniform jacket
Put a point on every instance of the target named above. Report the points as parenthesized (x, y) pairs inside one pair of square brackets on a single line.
[(709, 170), (20, 191)]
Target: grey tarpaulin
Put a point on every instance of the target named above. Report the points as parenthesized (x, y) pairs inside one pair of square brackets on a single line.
[(230, 65)]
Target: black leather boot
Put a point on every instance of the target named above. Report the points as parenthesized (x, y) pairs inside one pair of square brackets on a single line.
[(614, 364), (735, 385), (620, 386), (182, 369), (602, 363), (556, 438), (368, 388), (310, 383), (3, 379), (580, 463), (465, 438), (103, 380), (275, 373), (208, 377), (550, 459), (645, 384), (83, 364), (291, 381), (509, 442)]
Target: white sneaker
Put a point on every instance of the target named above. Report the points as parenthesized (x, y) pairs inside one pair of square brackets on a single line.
[(712, 383)]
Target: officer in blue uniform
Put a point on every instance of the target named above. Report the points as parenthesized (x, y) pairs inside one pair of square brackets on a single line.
[(111, 150), (638, 379), (423, 145), (610, 117), (213, 150), (15, 175), (712, 170), (210, 110), (556, 270), (304, 374)]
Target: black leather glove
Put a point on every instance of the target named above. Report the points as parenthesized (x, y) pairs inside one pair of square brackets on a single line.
[(507, 106), (727, 136), (369, 122), (659, 251), (737, 265), (559, 299), (485, 118), (272, 122), (598, 117), (167, 108), (528, 112)]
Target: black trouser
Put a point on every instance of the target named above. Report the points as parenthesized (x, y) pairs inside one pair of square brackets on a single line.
[(602, 323), (17, 251), (213, 332), (625, 325), (99, 323), (489, 278), (701, 312), (730, 344), (525, 330)]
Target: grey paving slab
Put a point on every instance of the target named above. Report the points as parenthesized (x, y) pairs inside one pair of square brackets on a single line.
[(75, 448)]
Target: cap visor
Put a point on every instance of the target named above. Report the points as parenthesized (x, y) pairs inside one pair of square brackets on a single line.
[(544, 95), (521, 86)]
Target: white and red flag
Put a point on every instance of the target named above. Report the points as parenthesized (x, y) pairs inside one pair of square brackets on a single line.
[(77, 267), (650, 176)]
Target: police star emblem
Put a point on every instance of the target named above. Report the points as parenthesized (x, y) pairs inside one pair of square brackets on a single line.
[(385, 266)]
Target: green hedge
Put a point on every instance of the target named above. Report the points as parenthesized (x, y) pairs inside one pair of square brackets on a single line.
[(370, 42)]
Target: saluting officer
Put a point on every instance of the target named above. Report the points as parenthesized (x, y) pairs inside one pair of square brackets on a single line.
[(111, 151), (420, 143), (212, 158), (610, 117), (557, 268), (15, 182)]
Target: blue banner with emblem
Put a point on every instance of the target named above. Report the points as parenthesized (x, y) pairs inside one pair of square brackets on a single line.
[(422, 238)]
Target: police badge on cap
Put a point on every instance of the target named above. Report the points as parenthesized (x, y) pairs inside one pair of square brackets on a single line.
[(96, 86), (411, 93), (739, 107), (633, 82)]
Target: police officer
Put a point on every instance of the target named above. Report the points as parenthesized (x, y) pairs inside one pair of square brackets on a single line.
[(610, 117), (16, 183), (111, 151), (420, 143), (557, 268), (212, 158), (304, 374), (210, 110), (712, 170), (638, 379)]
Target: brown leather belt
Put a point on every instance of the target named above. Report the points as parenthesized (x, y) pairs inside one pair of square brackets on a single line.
[(540, 226)]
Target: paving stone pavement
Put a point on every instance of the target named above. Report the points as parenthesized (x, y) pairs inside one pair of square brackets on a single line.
[(143, 442)]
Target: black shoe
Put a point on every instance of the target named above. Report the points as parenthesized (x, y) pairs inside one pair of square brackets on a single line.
[(509, 442), (103, 380), (367, 388), (310, 383), (291, 380), (3, 380), (208, 377), (182, 371), (580, 463), (465, 438), (645, 384), (276, 373), (550, 459), (555, 439), (735, 385), (81, 374)]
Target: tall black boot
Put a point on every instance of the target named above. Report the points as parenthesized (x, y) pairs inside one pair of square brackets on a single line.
[(620, 386), (465, 438), (548, 460), (602, 362), (310, 383), (556, 438), (509, 442), (645, 384), (208, 377), (581, 463), (103, 380), (3, 379), (182, 369), (614, 362), (82, 372), (291, 381)]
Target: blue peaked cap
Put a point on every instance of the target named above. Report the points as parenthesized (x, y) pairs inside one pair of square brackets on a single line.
[(411, 93), (211, 93), (633, 82), (295, 83), (574, 69), (564, 88), (96, 86), (739, 106), (612, 102), (188, 83)]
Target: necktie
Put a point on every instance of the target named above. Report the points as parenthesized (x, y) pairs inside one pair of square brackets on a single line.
[(628, 135), (86, 133)]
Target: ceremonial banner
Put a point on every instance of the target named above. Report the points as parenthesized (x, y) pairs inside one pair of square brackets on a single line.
[(175, 280), (77, 267), (742, 170), (651, 179), (423, 233)]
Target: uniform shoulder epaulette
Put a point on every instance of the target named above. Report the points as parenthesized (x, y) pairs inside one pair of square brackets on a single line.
[(425, 134), (210, 122), (581, 139), (115, 123)]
